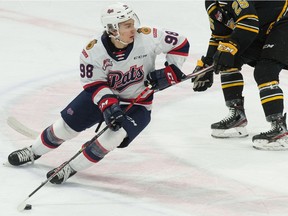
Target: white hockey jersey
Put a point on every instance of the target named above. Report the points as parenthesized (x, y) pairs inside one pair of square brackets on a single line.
[(123, 72)]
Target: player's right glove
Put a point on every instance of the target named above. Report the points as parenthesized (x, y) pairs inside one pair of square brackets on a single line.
[(203, 81), (225, 56), (165, 77), (112, 112)]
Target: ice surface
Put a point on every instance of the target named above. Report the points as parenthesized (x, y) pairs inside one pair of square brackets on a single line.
[(174, 168)]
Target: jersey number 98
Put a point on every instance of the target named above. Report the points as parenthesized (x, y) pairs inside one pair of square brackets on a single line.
[(86, 71), (171, 37)]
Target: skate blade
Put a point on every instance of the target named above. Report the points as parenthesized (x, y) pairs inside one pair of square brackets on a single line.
[(279, 145), (237, 132), (6, 163)]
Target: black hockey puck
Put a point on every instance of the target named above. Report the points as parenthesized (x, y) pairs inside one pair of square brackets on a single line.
[(28, 207)]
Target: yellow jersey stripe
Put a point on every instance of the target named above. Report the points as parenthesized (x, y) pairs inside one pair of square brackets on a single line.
[(213, 44), (211, 9), (247, 16), (283, 10), (279, 17), (248, 29), (219, 36)]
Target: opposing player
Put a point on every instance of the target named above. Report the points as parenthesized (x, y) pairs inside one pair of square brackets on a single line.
[(253, 33), (114, 68)]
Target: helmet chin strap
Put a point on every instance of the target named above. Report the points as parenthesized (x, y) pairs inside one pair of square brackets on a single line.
[(117, 38)]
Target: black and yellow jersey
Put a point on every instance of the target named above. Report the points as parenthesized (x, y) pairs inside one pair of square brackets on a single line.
[(242, 21)]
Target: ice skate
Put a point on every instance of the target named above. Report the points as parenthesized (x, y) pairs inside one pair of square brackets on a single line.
[(62, 175), (233, 125), (276, 139), (22, 156)]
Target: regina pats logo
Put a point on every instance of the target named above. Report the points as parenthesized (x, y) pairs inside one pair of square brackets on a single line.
[(107, 63), (119, 80)]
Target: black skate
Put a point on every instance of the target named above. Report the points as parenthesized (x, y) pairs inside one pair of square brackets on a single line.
[(66, 172), (22, 156), (276, 139), (236, 120)]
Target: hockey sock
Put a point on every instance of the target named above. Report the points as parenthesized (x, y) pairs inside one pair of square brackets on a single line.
[(105, 143), (232, 84), (272, 98), (52, 137)]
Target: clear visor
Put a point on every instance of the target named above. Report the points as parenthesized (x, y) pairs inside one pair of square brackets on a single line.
[(136, 21), (115, 27)]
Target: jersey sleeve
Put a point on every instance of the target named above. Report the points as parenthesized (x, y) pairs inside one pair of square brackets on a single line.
[(246, 26), (233, 20), (174, 45), (92, 76)]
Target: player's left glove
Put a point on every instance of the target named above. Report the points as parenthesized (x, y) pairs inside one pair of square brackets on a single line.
[(203, 81), (165, 77), (224, 56), (112, 112)]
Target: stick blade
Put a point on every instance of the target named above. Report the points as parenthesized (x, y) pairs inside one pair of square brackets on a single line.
[(21, 206), (21, 128)]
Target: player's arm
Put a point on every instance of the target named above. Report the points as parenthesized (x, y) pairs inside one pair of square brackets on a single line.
[(242, 19), (219, 32), (95, 83), (176, 48), (246, 26), (174, 45)]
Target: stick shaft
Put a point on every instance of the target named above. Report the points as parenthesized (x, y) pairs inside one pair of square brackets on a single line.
[(208, 69), (82, 149)]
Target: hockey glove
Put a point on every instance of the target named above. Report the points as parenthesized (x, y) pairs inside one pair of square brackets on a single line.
[(224, 56), (165, 77), (112, 112), (203, 81)]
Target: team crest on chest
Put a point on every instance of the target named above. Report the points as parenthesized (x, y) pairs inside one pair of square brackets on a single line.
[(107, 63), (120, 81)]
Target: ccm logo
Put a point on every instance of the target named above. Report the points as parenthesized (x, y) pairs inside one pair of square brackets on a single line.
[(103, 104), (266, 46), (171, 78)]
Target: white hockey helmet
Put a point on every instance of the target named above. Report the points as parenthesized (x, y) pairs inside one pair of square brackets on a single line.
[(116, 13)]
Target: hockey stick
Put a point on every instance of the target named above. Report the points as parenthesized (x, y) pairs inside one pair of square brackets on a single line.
[(21, 128), (203, 71), (32, 134), (22, 206)]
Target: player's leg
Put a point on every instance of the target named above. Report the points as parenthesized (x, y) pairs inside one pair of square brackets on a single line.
[(233, 125), (272, 100), (137, 118), (273, 60), (79, 115), (232, 82)]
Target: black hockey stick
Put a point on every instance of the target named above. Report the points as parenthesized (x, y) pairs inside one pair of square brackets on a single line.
[(23, 206)]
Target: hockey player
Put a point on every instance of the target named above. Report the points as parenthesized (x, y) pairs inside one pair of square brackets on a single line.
[(253, 33), (113, 68)]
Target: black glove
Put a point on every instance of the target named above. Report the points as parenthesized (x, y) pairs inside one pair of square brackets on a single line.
[(165, 77), (112, 112), (203, 81), (224, 56)]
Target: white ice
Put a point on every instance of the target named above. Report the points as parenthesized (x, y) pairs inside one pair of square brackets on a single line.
[(174, 168)]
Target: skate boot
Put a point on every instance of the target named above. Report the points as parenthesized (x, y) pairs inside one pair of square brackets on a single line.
[(66, 172), (22, 156), (276, 139), (233, 125)]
